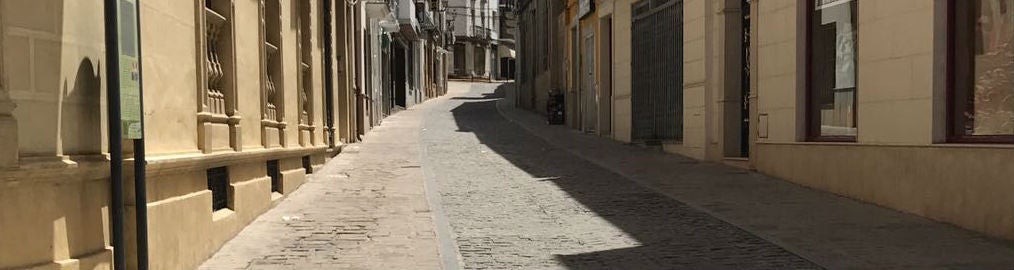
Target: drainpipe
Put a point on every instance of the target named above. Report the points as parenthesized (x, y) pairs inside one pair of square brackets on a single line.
[(114, 128), (140, 161)]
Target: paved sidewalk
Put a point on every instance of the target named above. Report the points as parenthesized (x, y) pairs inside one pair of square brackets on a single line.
[(831, 231), (366, 209)]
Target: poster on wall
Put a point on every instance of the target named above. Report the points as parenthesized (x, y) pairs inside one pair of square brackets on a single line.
[(130, 75), (839, 13), (845, 62), (585, 7), (824, 4)]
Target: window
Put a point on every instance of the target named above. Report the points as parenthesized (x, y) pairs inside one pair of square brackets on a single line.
[(831, 71), (218, 183), (272, 63), (982, 67), (276, 176), (305, 58), (218, 52)]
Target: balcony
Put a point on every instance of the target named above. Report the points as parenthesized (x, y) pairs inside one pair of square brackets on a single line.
[(407, 18), (425, 16), (481, 32)]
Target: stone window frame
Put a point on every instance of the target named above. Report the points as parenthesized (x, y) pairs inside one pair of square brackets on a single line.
[(216, 107), (305, 40), (272, 79)]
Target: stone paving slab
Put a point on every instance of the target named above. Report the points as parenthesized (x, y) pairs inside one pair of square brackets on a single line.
[(832, 231), (366, 209)]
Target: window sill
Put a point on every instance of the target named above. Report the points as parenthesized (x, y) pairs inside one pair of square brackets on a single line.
[(860, 144), (221, 214)]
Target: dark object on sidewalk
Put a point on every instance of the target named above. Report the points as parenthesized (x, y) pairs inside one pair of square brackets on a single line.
[(555, 107)]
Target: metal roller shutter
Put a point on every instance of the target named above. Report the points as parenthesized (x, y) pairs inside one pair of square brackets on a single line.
[(657, 68)]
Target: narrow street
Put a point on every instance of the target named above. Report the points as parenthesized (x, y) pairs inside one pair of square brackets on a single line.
[(462, 183)]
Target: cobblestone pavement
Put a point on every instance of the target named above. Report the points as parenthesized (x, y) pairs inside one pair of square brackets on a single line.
[(466, 181), (366, 209), (831, 231), (516, 202)]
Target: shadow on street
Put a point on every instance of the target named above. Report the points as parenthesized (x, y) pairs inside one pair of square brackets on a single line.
[(671, 234)]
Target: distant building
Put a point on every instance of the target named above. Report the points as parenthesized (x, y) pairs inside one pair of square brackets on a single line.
[(475, 24)]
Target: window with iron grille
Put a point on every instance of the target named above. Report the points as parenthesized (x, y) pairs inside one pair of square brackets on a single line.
[(306, 165), (218, 183), (276, 176)]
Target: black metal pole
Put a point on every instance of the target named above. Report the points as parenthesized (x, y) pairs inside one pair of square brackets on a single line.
[(140, 185), (115, 139), (328, 77)]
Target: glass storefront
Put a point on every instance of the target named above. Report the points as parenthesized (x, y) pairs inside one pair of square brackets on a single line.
[(832, 69), (983, 90)]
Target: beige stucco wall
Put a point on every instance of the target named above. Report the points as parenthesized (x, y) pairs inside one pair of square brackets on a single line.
[(170, 76), (898, 162), (620, 11), (895, 72), (55, 219), (56, 193), (53, 51), (696, 39), (776, 71)]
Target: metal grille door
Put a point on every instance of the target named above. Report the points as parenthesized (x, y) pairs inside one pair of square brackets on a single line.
[(657, 87)]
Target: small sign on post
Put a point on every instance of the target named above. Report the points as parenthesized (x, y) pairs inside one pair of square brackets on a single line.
[(130, 76)]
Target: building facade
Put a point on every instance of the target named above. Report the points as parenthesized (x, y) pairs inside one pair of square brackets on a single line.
[(475, 24), (905, 104), (506, 59), (243, 99)]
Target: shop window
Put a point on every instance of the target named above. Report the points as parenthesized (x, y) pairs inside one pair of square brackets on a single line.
[(276, 176), (982, 67), (218, 183), (831, 72)]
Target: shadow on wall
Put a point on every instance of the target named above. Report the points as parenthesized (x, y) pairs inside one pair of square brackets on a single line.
[(48, 52), (670, 233), (81, 124)]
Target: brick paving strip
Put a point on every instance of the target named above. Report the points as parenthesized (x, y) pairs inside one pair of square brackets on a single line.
[(832, 231), (366, 209)]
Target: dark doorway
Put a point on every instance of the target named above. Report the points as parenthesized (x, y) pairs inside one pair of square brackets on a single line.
[(744, 129), (459, 59), (400, 74), (276, 176), (507, 66)]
